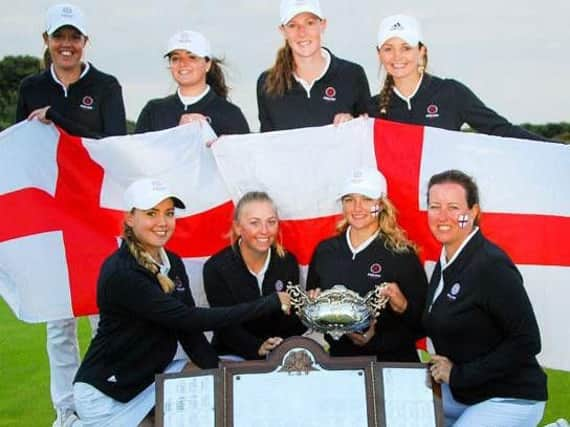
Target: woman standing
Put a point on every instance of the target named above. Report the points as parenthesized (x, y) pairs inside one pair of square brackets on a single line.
[(71, 93), (146, 308), (202, 91), (253, 266), (371, 248), (308, 85), (85, 102), (479, 318), (411, 95)]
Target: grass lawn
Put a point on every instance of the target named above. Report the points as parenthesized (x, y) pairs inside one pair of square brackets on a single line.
[(24, 389)]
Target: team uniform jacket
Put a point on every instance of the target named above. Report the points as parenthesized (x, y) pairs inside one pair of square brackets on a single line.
[(140, 326), (342, 89), (395, 334), (93, 106), (224, 117), (484, 323), (227, 281), (447, 104)]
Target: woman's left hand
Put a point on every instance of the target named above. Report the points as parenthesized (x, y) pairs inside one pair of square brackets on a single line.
[(40, 114), (398, 301), (440, 368)]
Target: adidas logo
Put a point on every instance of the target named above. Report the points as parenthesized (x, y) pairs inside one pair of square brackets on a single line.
[(112, 379), (396, 27)]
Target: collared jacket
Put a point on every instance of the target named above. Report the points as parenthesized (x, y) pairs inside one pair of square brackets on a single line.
[(334, 263), (228, 281), (447, 104), (224, 117), (484, 323), (91, 107), (342, 89), (140, 326)]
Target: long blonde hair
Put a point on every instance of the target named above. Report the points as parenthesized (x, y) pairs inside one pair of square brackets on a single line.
[(250, 197), (144, 259), (393, 235)]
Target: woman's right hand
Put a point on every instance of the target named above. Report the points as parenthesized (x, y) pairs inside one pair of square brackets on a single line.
[(285, 301), (192, 117), (40, 114), (268, 345), (314, 293)]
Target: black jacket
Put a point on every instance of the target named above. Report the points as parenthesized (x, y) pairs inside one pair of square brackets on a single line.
[(225, 118), (342, 89), (140, 326), (395, 334), (227, 281), (448, 104), (484, 323), (92, 107)]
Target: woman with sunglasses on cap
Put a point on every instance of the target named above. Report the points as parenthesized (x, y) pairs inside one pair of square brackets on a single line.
[(253, 266), (202, 91), (371, 248), (479, 317), (308, 85), (146, 307), (85, 102), (71, 93), (411, 95)]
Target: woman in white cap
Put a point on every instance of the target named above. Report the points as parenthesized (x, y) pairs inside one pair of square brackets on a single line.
[(479, 318), (146, 307), (371, 248), (71, 93), (254, 265), (202, 91), (411, 95), (85, 102), (308, 85)]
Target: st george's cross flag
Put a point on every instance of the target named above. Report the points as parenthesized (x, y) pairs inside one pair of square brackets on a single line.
[(64, 195)]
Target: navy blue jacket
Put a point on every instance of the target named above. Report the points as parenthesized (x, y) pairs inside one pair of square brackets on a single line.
[(91, 107), (448, 104), (140, 326), (484, 323)]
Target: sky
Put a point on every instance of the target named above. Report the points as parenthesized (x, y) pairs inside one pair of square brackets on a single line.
[(513, 55)]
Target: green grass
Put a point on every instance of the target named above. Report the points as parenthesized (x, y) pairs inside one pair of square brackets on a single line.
[(24, 375)]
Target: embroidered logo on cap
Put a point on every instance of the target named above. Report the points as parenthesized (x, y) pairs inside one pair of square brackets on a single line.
[(397, 27), (375, 270), (432, 111), (87, 102), (330, 94)]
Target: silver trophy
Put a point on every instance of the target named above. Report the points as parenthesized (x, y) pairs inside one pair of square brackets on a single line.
[(337, 310)]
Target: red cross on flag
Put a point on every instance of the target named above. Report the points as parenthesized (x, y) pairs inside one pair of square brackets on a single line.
[(64, 196)]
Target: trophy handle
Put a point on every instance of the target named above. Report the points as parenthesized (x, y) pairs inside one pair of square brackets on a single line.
[(299, 299), (375, 301)]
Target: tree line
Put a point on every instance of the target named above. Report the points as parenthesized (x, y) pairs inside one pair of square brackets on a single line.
[(14, 68)]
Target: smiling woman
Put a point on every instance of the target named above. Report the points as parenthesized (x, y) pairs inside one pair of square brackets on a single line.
[(308, 85), (202, 91)]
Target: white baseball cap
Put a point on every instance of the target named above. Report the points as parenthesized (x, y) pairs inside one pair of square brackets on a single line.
[(63, 14), (146, 193), (403, 26), (191, 41), (291, 8), (366, 181)]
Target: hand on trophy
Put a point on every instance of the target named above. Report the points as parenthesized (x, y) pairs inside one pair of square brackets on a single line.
[(362, 338), (285, 300), (397, 300), (314, 293), (268, 345)]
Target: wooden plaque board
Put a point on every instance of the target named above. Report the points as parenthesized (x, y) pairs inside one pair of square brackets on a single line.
[(301, 385)]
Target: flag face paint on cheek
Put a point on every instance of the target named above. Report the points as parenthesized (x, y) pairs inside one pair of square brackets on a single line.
[(463, 220), (375, 210)]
